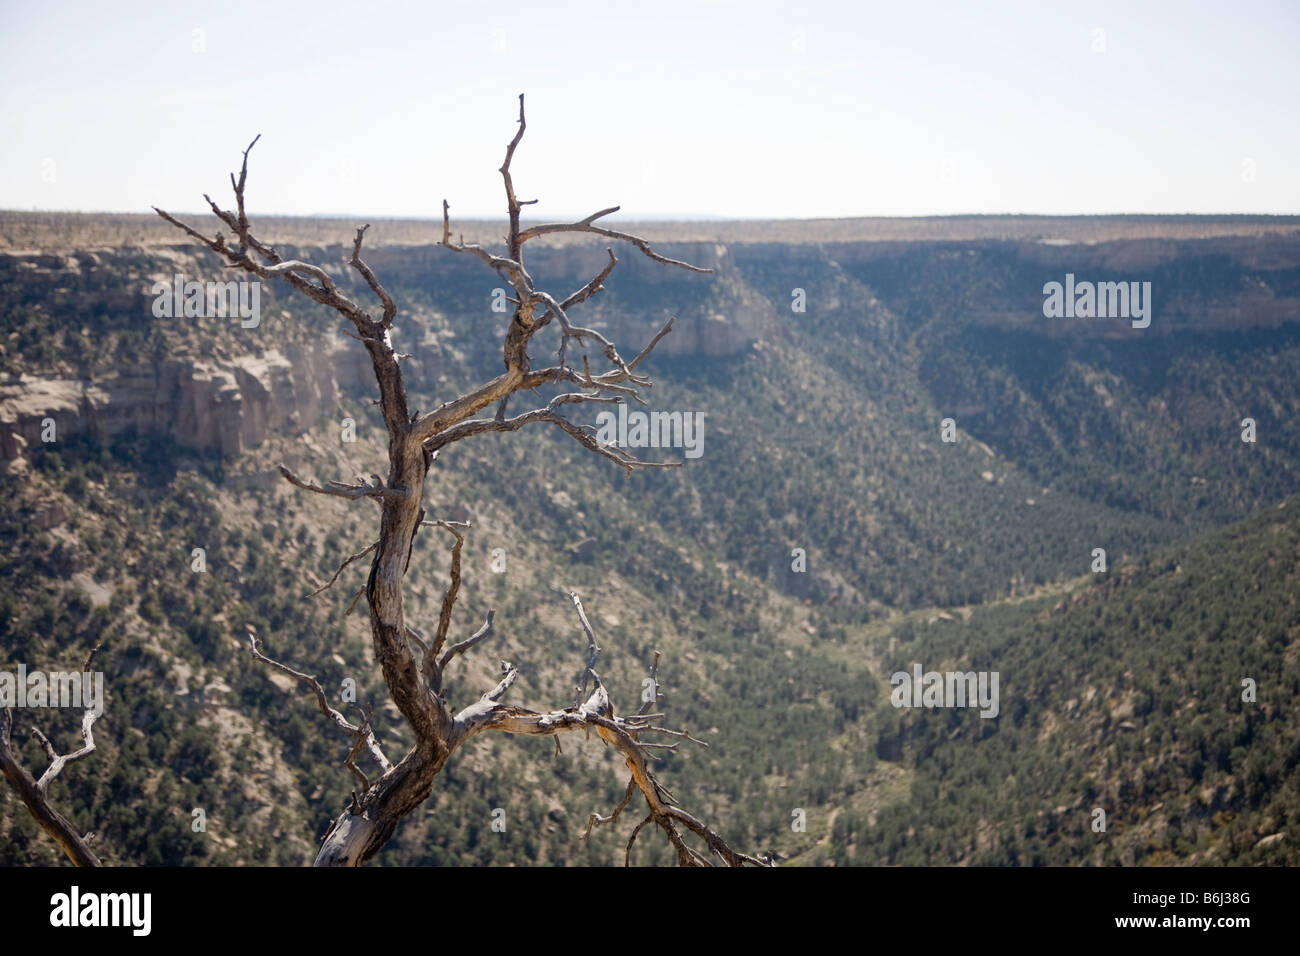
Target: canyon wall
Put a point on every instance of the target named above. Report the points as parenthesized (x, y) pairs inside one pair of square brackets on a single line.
[(224, 389), (225, 407)]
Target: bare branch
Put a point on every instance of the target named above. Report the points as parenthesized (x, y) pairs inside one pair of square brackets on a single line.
[(340, 490), (295, 267), (242, 224), (586, 225), (596, 819), (503, 685), (510, 269), (597, 712), (649, 705), (459, 409), (33, 795), (416, 636), (481, 634), (586, 292), (59, 761), (581, 434), (390, 308), (350, 761), (668, 327), (322, 703), (50, 753), (432, 673), (675, 733), (627, 855), (589, 671), (512, 203), (346, 561)]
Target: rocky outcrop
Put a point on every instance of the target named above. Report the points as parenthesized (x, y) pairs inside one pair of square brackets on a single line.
[(209, 398), (228, 407)]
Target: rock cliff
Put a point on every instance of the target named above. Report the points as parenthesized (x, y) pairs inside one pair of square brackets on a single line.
[(228, 407), (84, 348)]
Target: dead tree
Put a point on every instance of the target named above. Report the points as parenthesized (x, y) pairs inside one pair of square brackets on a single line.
[(415, 669), (34, 793)]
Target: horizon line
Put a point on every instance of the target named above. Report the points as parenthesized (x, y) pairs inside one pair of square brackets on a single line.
[(682, 217)]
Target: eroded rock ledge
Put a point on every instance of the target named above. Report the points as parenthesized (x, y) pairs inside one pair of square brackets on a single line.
[(228, 407)]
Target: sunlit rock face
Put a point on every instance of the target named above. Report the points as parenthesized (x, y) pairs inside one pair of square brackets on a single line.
[(228, 407)]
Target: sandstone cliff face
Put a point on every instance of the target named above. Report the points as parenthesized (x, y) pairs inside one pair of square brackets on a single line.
[(248, 384), (229, 407)]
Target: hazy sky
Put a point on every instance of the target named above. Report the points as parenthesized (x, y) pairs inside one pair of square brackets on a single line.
[(735, 108)]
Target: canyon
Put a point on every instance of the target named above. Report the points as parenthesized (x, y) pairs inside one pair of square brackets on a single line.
[(220, 388)]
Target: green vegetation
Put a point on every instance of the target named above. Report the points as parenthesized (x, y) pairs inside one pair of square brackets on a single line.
[(1119, 691)]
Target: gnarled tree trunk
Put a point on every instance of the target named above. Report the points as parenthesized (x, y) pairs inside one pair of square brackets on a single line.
[(415, 685)]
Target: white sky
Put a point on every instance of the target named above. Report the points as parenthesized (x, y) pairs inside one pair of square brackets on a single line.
[(733, 108)]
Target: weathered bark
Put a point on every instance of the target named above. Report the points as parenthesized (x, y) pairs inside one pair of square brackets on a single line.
[(416, 687), (50, 820), (355, 837), (35, 793)]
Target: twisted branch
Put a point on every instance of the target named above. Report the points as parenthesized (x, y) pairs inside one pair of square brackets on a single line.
[(414, 441), (597, 712), (35, 793), (361, 734)]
